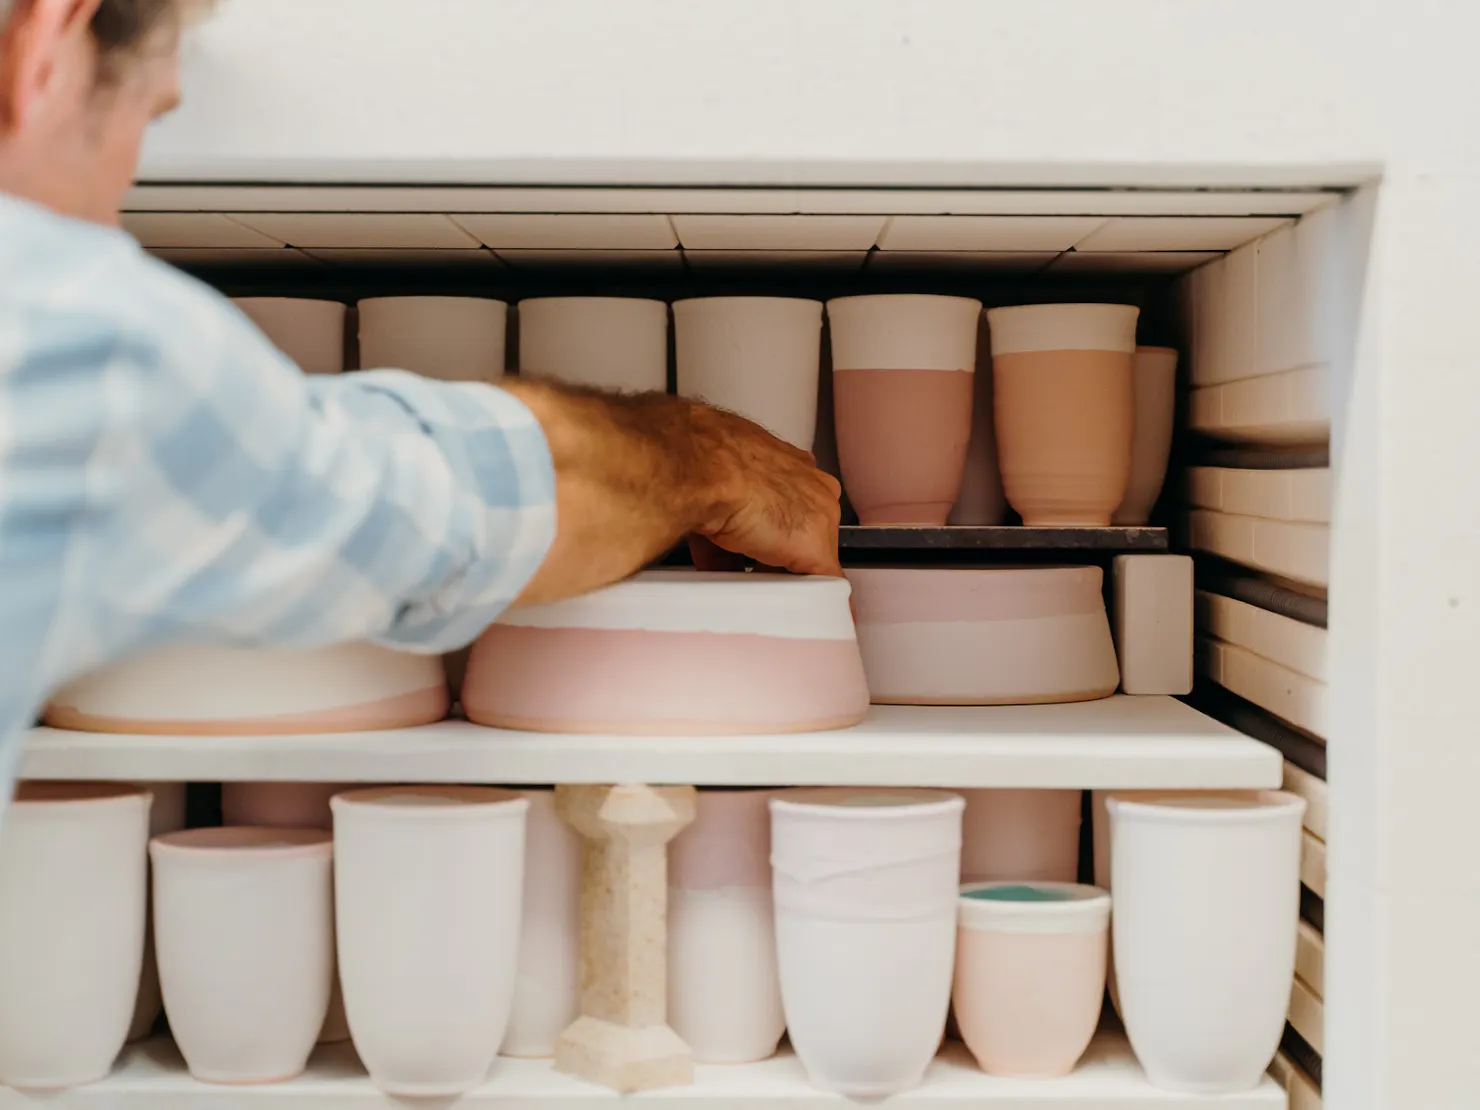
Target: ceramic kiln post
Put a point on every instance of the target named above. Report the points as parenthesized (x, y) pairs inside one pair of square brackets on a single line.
[(622, 1039)]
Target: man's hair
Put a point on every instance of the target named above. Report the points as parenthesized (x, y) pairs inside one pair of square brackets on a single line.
[(120, 27)]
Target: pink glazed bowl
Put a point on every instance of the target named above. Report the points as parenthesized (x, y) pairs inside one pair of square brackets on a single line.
[(1030, 974)]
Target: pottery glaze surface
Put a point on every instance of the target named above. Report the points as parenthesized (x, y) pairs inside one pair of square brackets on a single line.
[(184, 691), (453, 339), (1154, 378), (428, 899), (756, 356), (984, 636), (244, 921), (865, 884), (672, 652), (73, 887), (309, 332), (547, 991), (1030, 974), (606, 342), (1020, 835), (1206, 901), (902, 397), (1065, 408), (724, 996)]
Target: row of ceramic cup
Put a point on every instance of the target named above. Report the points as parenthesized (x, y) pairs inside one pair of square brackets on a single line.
[(1078, 416), (833, 914)]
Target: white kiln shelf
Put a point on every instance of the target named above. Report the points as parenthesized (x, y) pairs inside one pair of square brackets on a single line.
[(1124, 742), (151, 1076)]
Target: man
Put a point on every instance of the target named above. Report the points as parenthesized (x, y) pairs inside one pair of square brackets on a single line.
[(167, 476)]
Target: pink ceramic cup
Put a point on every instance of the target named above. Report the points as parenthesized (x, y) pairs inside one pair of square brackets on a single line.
[(1030, 974)]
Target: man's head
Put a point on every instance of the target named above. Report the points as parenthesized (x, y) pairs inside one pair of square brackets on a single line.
[(79, 82)]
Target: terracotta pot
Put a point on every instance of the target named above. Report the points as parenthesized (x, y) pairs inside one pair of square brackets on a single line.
[(1207, 903), (547, 991), (289, 805), (606, 342), (865, 893), (1155, 385), (675, 652), (1065, 408), (724, 996), (73, 880), (245, 926), (427, 888), (1021, 836), (1030, 974), (902, 397), (454, 339), (980, 499), (984, 636), (213, 691), (757, 356), (166, 815), (309, 332)]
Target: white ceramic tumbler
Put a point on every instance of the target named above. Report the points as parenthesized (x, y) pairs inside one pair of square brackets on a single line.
[(1020, 835), (757, 356), (289, 805), (724, 996), (166, 815), (309, 332), (1206, 904), (866, 887), (244, 924), (73, 885), (428, 892), (453, 339), (605, 342), (547, 992)]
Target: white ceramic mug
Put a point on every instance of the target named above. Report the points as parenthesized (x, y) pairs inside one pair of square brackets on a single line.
[(724, 993), (1206, 904), (605, 342), (244, 924), (454, 339), (547, 992), (866, 887), (428, 892), (73, 883)]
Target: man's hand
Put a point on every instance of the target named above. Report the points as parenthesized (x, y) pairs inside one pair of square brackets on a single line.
[(635, 474)]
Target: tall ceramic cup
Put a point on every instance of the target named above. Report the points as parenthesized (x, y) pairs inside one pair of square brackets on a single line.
[(1030, 974), (309, 332), (1151, 443), (244, 920), (1065, 408), (166, 815), (902, 398), (1020, 835), (606, 342), (1207, 904), (757, 356), (724, 998), (428, 891), (865, 886), (73, 879), (454, 339), (289, 805), (547, 989)]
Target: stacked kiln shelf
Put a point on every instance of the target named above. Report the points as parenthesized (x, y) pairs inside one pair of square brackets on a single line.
[(151, 1076), (1120, 742)]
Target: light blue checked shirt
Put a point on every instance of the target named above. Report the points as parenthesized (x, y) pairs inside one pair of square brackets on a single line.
[(167, 476)]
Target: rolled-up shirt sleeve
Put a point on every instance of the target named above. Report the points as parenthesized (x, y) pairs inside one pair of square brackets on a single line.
[(226, 497)]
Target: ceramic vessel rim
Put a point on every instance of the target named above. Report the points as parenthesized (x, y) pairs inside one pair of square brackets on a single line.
[(216, 841), (588, 300), (98, 793), (1089, 908), (1152, 805), (746, 300), (462, 801), (425, 297), (914, 802), (902, 298)]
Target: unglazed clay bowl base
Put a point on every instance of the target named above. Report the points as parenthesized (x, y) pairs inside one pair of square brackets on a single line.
[(419, 707)]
